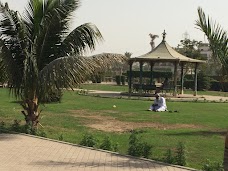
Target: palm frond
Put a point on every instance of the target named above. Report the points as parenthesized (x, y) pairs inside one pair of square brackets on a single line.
[(81, 39), (70, 71), (107, 60), (65, 72), (216, 36), (13, 47), (47, 23)]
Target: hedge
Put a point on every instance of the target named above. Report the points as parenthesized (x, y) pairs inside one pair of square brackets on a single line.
[(147, 74)]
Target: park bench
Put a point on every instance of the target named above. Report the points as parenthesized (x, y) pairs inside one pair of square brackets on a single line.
[(145, 87)]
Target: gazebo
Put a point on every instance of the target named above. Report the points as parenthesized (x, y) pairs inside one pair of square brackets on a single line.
[(161, 54)]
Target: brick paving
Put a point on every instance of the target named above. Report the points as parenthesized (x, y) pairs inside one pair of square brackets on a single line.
[(21, 152)]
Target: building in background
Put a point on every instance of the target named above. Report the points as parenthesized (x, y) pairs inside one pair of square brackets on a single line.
[(205, 51)]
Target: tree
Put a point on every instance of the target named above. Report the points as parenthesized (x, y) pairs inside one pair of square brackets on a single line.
[(190, 48), (217, 38), (40, 54)]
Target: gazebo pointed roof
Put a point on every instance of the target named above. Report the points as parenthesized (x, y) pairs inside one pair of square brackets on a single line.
[(164, 53)]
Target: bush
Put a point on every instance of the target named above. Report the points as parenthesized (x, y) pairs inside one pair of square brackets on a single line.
[(224, 86), (60, 138), (2, 125), (53, 96), (215, 86), (180, 155), (138, 148), (122, 78), (106, 144), (169, 157), (88, 140), (156, 74), (116, 147), (118, 79), (189, 84), (16, 125), (203, 82), (28, 129), (212, 166), (97, 78)]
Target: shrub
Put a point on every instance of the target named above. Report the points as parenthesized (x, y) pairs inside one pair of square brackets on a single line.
[(116, 147), (60, 138), (16, 125), (189, 84), (224, 86), (53, 96), (2, 125), (40, 133), (106, 144), (212, 166), (122, 78), (156, 74), (28, 129), (97, 78), (203, 82), (88, 140), (169, 157), (215, 86), (180, 154), (118, 79), (138, 148)]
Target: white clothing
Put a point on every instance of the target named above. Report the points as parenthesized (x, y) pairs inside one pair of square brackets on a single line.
[(159, 105)]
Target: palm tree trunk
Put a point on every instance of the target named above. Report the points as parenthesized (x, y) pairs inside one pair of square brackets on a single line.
[(31, 111), (225, 161)]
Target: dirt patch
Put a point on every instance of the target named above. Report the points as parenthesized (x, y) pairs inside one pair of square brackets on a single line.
[(101, 122)]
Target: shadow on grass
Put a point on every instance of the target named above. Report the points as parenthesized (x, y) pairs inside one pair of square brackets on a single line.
[(202, 133), (16, 101)]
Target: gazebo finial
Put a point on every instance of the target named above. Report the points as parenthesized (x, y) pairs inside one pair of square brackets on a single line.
[(163, 35)]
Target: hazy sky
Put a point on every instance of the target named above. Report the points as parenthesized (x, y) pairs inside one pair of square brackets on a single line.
[(126, 24)]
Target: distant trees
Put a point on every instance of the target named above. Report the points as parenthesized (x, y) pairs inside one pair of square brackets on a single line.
[(190, 48)]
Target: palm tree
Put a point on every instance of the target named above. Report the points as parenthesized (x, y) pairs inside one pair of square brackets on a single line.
[(41, 55), (217, 38)]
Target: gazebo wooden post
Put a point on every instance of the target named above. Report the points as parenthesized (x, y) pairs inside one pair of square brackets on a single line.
[(175, 80), (151, 72), (182, 78), (140, 77), (130, 77), (195, 80)]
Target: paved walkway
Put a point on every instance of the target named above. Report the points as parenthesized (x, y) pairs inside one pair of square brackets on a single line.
[(28, 153)]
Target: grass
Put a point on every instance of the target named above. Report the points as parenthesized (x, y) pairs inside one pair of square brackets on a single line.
[(105, 87), (200, 126), (121, 88)]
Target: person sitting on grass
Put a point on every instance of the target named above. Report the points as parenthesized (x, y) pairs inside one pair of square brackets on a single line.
[(159, 104)]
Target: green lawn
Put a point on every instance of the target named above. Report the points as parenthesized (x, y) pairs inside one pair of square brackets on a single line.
[(107, 87), (200, 126)]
